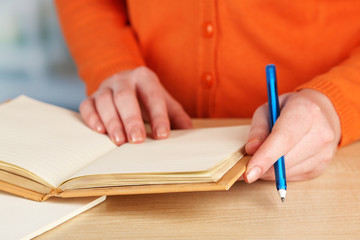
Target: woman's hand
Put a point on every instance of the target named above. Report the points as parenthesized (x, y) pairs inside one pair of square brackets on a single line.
[(124, 100), (306, 133)]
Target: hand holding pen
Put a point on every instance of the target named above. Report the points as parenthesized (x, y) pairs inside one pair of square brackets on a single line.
[(306, 133)]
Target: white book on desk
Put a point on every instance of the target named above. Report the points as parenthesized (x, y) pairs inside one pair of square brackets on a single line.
[(24, 219)]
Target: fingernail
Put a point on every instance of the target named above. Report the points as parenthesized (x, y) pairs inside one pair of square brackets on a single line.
[(99, 128), (136, 135), (118, 138), (253, 174), (161, 132)]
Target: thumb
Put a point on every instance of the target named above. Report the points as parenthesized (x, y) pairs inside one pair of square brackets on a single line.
[(259, 129)]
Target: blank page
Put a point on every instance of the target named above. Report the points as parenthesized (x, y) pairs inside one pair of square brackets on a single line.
[(184, 151), (24, 219), (49, 141)]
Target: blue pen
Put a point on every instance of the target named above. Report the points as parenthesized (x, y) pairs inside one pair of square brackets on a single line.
[(274, 110)]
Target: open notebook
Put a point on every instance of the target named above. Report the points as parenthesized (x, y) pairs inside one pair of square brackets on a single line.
[(48, 151)]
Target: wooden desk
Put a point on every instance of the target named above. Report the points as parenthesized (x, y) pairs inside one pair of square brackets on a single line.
[(327, 207)]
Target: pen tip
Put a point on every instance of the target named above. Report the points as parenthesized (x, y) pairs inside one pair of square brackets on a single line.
[(282, 199)]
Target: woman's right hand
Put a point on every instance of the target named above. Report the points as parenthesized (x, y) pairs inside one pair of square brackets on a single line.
[(124, 100)]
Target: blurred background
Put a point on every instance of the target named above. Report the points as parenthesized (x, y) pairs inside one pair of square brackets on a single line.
[(34, 59)]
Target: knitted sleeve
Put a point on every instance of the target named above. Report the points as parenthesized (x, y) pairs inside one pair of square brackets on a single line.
[(99, 38), (342, 85)]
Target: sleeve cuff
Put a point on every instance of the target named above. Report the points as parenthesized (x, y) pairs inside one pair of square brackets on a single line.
[(344, 109)]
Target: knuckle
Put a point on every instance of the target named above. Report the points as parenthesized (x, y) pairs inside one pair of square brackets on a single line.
[(132, 120), (103, 96), (308, 106), (327, 136), (153, 96), (142, 69), (315, 110), (143, 72), (326, 159), (121, 94), (84, 105), (262, 125), (257, 111), (324, 133), (91, 118), (260, 128), (261, 109), (159, 118), (283, 138), (112, 124)]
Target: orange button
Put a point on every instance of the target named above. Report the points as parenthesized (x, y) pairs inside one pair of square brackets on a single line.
[(207, 80), (208, 29)]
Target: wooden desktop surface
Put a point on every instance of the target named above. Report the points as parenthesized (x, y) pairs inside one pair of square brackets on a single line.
[(327, 207)]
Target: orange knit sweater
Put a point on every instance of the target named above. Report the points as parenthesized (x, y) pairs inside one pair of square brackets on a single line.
[(211, 55)]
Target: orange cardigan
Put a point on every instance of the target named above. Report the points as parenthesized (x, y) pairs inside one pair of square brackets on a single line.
[(211, 55)]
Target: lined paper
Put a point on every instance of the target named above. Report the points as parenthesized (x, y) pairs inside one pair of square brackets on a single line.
[(49, 141), (184, 151)]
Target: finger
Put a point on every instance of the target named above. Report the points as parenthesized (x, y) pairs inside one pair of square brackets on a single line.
[(90, 116), (144, 114), (105, 107), (151, 94), (269, 174), (300, 162), (310, 168), (129, 111), (259, 129), (293, 123), (178, 117), (313, 166), (320, 138)]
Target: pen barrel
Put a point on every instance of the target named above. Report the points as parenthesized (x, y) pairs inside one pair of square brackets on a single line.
[(280, 175), (274, 112), (273, 100)]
